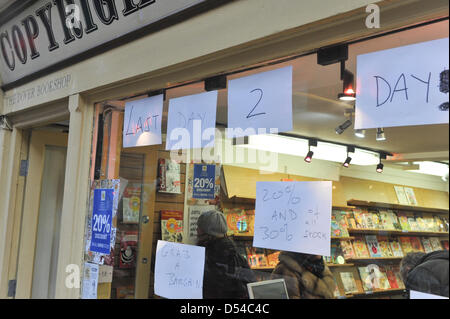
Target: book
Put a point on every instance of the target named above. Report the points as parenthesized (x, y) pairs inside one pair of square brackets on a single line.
[(411, 196), (128, 249), (385, 247), (360, 247), (386, 220), (368, 217), (440, 227), (444, 244), (405, 243), (366, 280), (373, 246), (343, 223), (395, 247), (435, 243), (376, 220), (427, 245), (403, 219), (131, 204), (401, 195), (169, 178), (335, 229), (337, 255), (272, 257), (394, 220), (237, 221), (349, 283), (413, 223), (172, 226), (350, 219), (359, 218), (416, 244), (336, 292), (430, 224), (390, 274), (421, 225), (347, 249), (256, 257), (396, 269), (383, 282)]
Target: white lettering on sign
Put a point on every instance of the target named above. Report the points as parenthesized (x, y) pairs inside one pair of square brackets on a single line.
[(293, 216), (403, 86), (179, 270)]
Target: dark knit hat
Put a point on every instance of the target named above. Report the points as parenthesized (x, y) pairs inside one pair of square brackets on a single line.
[(213, 223)]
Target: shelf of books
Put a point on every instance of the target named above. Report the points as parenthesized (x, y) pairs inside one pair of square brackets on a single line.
[(396, 207), (367, 245)]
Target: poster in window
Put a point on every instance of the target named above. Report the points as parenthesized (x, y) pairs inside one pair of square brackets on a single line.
[(169, 177), (172, 226), (204, 181)]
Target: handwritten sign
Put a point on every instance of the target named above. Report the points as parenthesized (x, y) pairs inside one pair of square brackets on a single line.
[(403, 86), (260, 103), (191, 121), (142, 122), (179, 270), (293, 216)]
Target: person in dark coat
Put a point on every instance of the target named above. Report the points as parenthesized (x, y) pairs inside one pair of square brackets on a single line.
[(226, 271), (306, 276), (426, 273)]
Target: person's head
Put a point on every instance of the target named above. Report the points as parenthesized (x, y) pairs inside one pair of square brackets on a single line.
[(211, 224), (408, 262)]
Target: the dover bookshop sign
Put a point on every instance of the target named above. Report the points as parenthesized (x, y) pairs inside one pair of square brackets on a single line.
[(49, 32), (403, 86)]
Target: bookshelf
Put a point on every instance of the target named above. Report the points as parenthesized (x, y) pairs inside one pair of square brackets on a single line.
[(385, 232), (408, 208)]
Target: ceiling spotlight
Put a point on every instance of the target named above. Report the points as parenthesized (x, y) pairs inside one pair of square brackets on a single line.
[(308, 157), (380, 134), (380, 166), (350, 149), (360, 133), (341, 128), (349, 93)]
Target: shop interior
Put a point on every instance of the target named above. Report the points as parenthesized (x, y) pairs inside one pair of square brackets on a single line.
[(413, 157)]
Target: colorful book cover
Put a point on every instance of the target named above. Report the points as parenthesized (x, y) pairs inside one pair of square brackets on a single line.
[(335, 229), (416, 244), (405, 243), (395, 247), (256, 257), (237, 221), (349, 283), (390, 274), (376, 220), (427, 245), (430, 224), (366, 279), (272, 257), (128, 249), (169, 178), (350, 220), (172, 226), (435, 243), (396, 269), (440, 227), (373, 246), (383, 282), (444, 244), (411, 196), (359, 218), (360, 248), (386, 221), (343, 224), (131, 204), (369, 220), (401, 195), (385, 247), (413, 223), (421, 223), (403, 219), (347, 249), (337, 255), (394, 220)]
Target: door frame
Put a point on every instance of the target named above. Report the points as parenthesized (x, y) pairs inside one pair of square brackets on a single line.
[(30, 210)]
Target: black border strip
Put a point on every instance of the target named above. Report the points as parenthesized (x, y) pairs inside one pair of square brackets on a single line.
[(127, 38)]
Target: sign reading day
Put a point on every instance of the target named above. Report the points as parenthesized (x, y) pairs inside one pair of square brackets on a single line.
[(192, 121), (260, 103), (293, 216), (142, 122), (49, 32), (101, 220), (403, 86), (179, 270)]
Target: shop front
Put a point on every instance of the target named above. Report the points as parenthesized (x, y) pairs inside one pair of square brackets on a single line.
[(120, 128)]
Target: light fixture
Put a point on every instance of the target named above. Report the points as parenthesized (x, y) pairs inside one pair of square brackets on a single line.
[(341, 128), (308, 157), (360, 133), (348, 92), (380, 134), (380, 165), (350, 149)]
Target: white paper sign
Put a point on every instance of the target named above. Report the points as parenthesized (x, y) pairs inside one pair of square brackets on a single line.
[(142, 122), (90, 281), (260, 103), (403, 86), (421, 295), (293, 216), (192, 121), (179, 270)]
